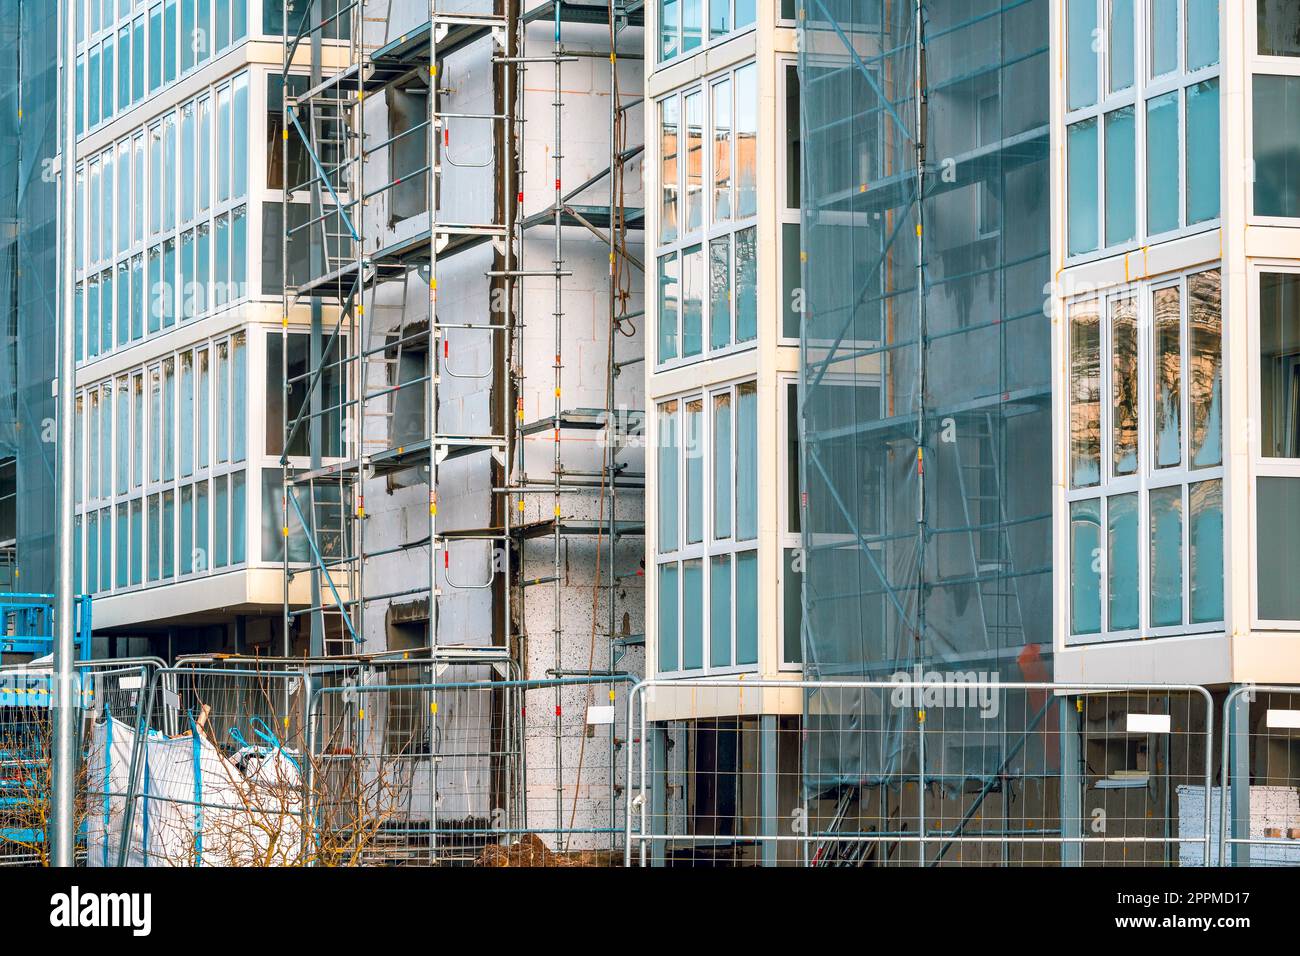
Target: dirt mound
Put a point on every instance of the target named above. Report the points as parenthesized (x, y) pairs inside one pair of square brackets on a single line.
[(531, 851)]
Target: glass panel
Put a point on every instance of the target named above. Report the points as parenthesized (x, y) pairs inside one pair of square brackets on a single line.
[(669, 453), (169, 419), (121, 564), (1202, 33), (1278, 27), (1081, 159), (239, 400), (744, 13), (201, 526), (1205, 540), (720, 610), (1085, 395), (1167, 378), (720, 293), (668, 169), (694, 471), (1163, 30), (1279, 364), (204, 405), (137, 60), (155, 525), (692, 614), (137, 541), (169, 41), (1122, 567), (1124, 386), (693, 211), (187, 530), (92, 553), (1082, 54), (1121, 177), (1277, 145), (746, 607), (668, 307), (746, 461), (168, 538), (1121, 44), (1202, 151), (1166, 556), (722, 465), (1205, 368), (746, 285), (122, 401), (155, 45), (239, 136), (792, 608), (1085, 567), (238, 519), (746, 142), (667, 29), (722, 137), (668, 617), (791, 280), (719, 18), (220, 522), (692, 24), (1277, 562), (1162, 163), (692, 301), (187, 415)]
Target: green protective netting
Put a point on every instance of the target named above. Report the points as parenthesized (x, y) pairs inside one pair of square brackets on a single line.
[(926, 415), (29, 204)]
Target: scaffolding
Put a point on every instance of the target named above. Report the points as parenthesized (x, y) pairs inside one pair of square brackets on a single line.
[(926, 377), (410, 328)]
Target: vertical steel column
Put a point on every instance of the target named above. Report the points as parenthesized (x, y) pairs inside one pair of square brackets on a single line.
[(769, 796), (1071, 795), (1238, 797), (64, 770), (556, 464)]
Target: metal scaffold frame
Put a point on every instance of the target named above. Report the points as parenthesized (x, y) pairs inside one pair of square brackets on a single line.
[(330, 407)]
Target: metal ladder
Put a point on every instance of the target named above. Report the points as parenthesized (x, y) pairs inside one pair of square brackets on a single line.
[(985, 513)]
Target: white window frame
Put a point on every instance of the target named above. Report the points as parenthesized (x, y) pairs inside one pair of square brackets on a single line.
[(1147, 478), (1261, 466), (1144, 89), (706, 38), (709, 230), (1266, 66), (708, 547)]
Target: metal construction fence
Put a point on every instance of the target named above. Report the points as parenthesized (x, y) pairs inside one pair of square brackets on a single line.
[(359, 762), (463, 762), (964, 772), (107, 691)]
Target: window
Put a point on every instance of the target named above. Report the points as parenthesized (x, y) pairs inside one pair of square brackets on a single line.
[(1279, 364), (791, 250), (1146, 500), (1276, 108), (144, 225), (682, 23), (707, 270), (707, 562), (148, 480), (1145, 114), (1277, 28)]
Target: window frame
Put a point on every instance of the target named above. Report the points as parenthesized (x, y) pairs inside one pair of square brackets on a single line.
[(710, 230), (707, 40), (709, 547), (1137, 96), (1147, 478), (1261, 466)]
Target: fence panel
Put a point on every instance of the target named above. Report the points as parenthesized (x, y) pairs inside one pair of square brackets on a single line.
[(948, 772), (469, 772), (1259, 823)]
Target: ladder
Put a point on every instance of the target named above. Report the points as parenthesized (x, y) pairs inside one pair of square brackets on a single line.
[(985, 514)]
